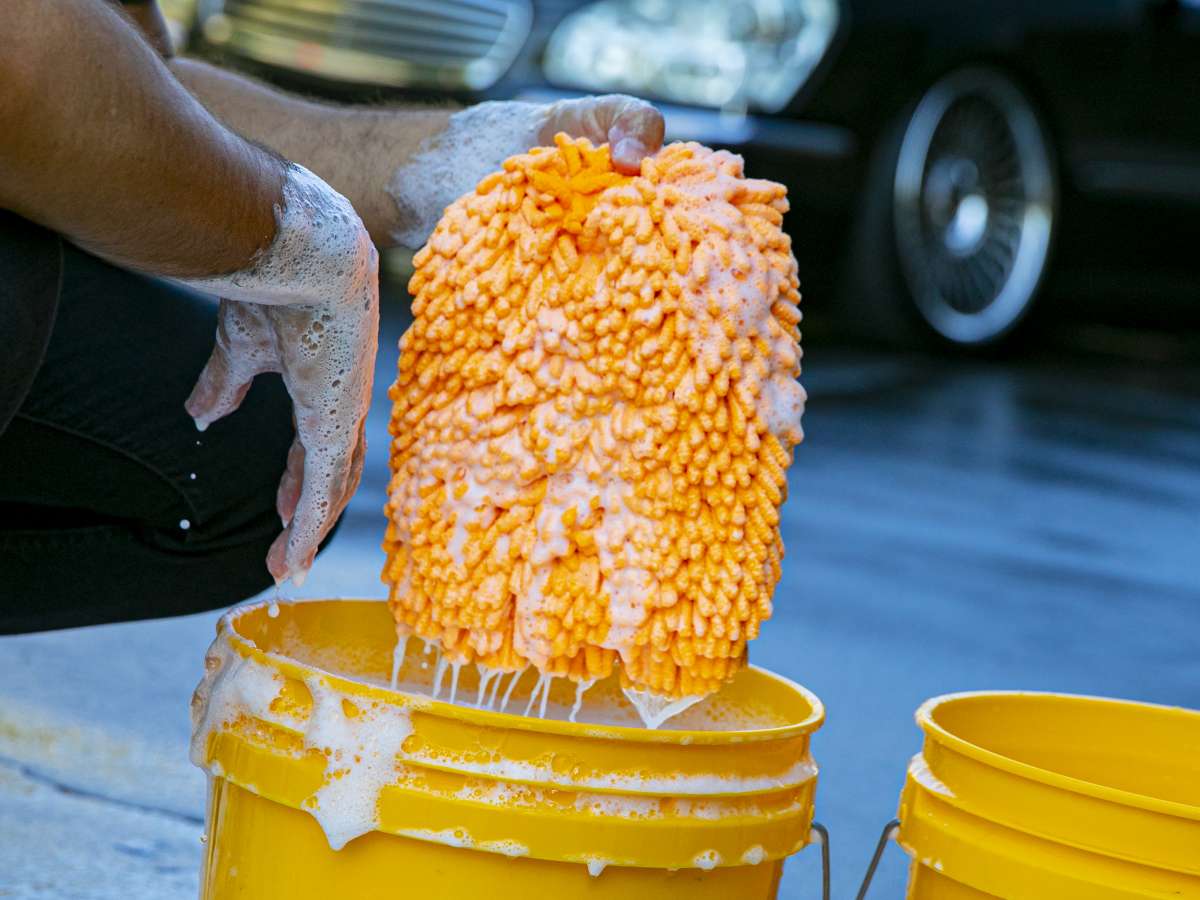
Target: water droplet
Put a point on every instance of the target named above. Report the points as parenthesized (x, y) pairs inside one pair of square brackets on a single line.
[(185, 524)]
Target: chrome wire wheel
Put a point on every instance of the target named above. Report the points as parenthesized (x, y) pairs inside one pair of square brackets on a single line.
[(974, 203)]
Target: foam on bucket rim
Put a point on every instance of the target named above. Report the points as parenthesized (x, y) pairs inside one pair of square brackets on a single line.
[(806, 725)]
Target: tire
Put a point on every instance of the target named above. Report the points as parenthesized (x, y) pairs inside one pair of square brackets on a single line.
[(956, 227)]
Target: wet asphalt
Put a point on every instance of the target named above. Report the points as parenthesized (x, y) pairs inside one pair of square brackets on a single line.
[(1030, 523)]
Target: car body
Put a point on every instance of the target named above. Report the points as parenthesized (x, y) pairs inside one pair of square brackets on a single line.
[(937, 153)]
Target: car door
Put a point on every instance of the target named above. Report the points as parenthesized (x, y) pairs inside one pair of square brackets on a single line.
[(1164, 100)]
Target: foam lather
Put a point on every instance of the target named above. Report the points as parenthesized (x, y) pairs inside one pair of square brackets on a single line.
[(307, 307), (595, 408)]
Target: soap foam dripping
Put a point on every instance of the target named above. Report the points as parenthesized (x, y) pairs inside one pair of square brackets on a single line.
[(361, 761), (487, 677), (754, 855), (492, 693), (542, 689), (516, 676), (495, 690), (439, 673), (398, 660), (581, 688), (359, 739), (654, 709)]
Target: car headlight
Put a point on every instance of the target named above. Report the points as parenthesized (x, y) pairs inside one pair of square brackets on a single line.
[(732, 55)]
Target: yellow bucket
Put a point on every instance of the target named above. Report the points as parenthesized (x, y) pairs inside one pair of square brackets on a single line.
[(1025, 795), (478, 803)]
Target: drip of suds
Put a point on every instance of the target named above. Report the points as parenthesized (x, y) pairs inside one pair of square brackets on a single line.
[(655, 709), (516, 676), (754, 855), (581, 688), (439, 673), (398, 659), (361, 761), (495, 690), (542, 689), (454, 668), (492, 693), (273, 607), (487, 676), (596, 866), (185, 524), (360, 741)]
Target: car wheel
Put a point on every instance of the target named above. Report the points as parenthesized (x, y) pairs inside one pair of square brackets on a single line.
[(960, 213)]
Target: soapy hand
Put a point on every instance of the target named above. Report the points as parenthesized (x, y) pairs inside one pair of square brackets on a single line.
[(632, 128), (308, 308), (477, 141)]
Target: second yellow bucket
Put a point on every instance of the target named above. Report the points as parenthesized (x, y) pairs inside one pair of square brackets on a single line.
[(1053, 797), (479, 803)]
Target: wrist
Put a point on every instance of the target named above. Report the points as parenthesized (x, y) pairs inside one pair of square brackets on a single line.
[(452, 159), (320, 256)]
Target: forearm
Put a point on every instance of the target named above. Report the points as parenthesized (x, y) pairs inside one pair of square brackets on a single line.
[(401, 167), (100, 143), (148, 19), (356, 149)]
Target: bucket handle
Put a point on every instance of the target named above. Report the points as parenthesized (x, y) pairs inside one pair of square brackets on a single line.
[(823, 838), (888, 833)]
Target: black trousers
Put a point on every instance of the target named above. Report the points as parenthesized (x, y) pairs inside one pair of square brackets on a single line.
[(112, 505)]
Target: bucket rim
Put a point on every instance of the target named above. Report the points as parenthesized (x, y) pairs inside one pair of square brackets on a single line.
[(491, 718), (938, 732)]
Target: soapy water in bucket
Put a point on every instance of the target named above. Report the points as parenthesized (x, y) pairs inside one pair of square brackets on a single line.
[(419, 667), (652, 709), (364, 739)]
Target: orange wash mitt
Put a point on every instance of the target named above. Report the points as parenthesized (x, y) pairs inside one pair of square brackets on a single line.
[(595, 408)]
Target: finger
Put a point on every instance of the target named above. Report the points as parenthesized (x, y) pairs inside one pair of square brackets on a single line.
[(636, 131), (326, 470), (356, 465), (277, 556), (289, 486), (219, 390)]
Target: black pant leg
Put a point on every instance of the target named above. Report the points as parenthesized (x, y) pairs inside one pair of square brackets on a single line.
[(112, 505)]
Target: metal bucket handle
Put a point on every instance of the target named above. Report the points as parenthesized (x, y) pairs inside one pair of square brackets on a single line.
[(825, 876), (889, 833)]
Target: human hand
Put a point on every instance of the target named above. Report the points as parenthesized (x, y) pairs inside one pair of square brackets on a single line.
[(308, 308), (632, 128), (478, 140)]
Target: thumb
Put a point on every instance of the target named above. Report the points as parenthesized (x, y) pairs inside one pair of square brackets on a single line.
[(219, 390), (632, 128), (634, 132)]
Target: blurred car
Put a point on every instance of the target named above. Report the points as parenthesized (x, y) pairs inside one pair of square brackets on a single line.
[(940, 154)]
